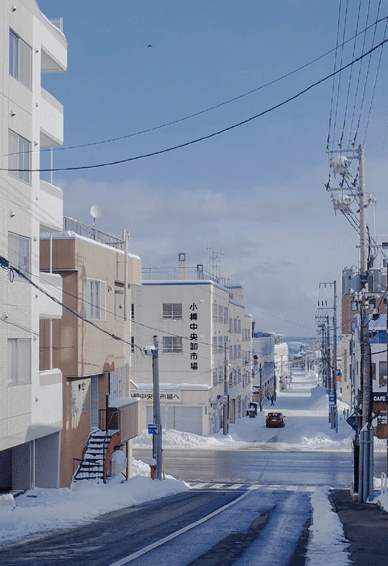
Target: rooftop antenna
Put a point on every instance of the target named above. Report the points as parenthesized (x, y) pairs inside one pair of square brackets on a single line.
[(96, 212)]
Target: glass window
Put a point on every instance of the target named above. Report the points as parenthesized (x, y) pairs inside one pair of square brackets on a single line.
[(221, 374), (220, 343), (19, 254), (19, 361), (214, 312), (20, 60), (226, 315), (172, 344), (94, 299), (220, 313), (214, 344), (19, 157), (172, 311), (215, 376)]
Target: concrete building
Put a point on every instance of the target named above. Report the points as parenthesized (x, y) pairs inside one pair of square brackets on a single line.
[(282, 366), (31, 119), (263, 346), (200, 324), (93, 349)]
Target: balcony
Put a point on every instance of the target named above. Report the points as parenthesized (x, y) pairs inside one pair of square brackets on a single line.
[(51, 120), (53, 285), (49, 207), (47, 410)]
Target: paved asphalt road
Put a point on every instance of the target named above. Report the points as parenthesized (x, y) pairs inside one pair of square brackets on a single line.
[(267, 522), (297, 468)]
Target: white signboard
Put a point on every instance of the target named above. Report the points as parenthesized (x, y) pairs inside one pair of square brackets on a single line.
[(164, 396)]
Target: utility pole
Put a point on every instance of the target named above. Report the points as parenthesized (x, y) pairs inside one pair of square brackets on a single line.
[(352, 189), (225, 408), (157, 437), (366, 433), (261, 388)]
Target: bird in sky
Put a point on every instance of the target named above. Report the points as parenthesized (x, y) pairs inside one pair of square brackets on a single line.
[(150, 46)]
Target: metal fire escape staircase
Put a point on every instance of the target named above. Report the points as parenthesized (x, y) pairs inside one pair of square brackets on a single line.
[(93, 465)]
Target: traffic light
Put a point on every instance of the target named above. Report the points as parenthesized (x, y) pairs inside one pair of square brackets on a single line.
[(256, 363)]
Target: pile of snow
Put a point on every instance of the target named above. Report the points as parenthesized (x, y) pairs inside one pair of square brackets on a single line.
[(305, 405), (43, 510), (327, 543)]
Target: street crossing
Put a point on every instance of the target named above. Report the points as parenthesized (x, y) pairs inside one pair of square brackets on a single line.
[(251, 487)]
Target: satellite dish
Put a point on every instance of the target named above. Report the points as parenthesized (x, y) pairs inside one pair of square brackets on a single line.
[(96, 211)]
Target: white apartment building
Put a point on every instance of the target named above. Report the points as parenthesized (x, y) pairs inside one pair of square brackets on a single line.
[(282, 365), (30, 120), (202, 329), (263, 346)]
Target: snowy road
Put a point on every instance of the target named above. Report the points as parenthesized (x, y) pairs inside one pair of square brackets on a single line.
[(202, 526)]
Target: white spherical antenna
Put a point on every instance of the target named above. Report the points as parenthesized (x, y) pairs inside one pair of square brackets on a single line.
[(96, 211)]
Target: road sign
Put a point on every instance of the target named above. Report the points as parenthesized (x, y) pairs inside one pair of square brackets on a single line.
[(331, 398), (256, 368), (152, 429)]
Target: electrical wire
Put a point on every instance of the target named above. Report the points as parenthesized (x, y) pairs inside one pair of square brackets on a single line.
[(375, 84), (365, 83), (205, 137), (350, 75), (211, 108)]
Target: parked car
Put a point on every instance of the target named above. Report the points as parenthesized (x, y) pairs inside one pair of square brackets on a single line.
[(274, 420)]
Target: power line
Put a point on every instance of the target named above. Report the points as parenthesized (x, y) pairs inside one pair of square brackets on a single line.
[(216, 106), (206, 137)]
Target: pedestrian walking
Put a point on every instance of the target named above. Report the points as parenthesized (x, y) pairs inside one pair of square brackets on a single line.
[(272, 401)]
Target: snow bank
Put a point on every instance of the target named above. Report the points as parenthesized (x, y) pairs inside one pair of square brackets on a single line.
[(306, 407), (327, 543), (43, 510)]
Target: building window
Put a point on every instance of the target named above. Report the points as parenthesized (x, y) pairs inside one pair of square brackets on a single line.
[(235, 324), (172, 345), (221, 374), (214, 376), (220, 313), (172, 311), (214, 312), (20, 60), (215, 345), (19, 254), (221, 344), (19, 361), (226, 315), (239, 351), (231, 325), (239, 326), (19, 157), (94, 299)]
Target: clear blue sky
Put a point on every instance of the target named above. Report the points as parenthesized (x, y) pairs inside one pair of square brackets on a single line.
[(256, 193)]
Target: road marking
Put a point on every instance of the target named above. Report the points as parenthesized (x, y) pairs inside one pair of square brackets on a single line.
[(198, 486), (162, 541), (217, 486), (236, 486)]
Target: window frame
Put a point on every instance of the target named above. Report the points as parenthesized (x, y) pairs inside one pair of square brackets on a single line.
[(176, 345), (176, 311), (19, 359), (23, 260), (19, 157), (94, 299), (20, 60)]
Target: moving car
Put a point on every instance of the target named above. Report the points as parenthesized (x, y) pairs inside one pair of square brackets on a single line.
[(274, 420)]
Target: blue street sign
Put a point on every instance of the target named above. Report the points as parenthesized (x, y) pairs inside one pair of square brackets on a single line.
[(152, 429), (331, 398)]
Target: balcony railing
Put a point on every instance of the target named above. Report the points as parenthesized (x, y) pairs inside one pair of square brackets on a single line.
[(71, 225)]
